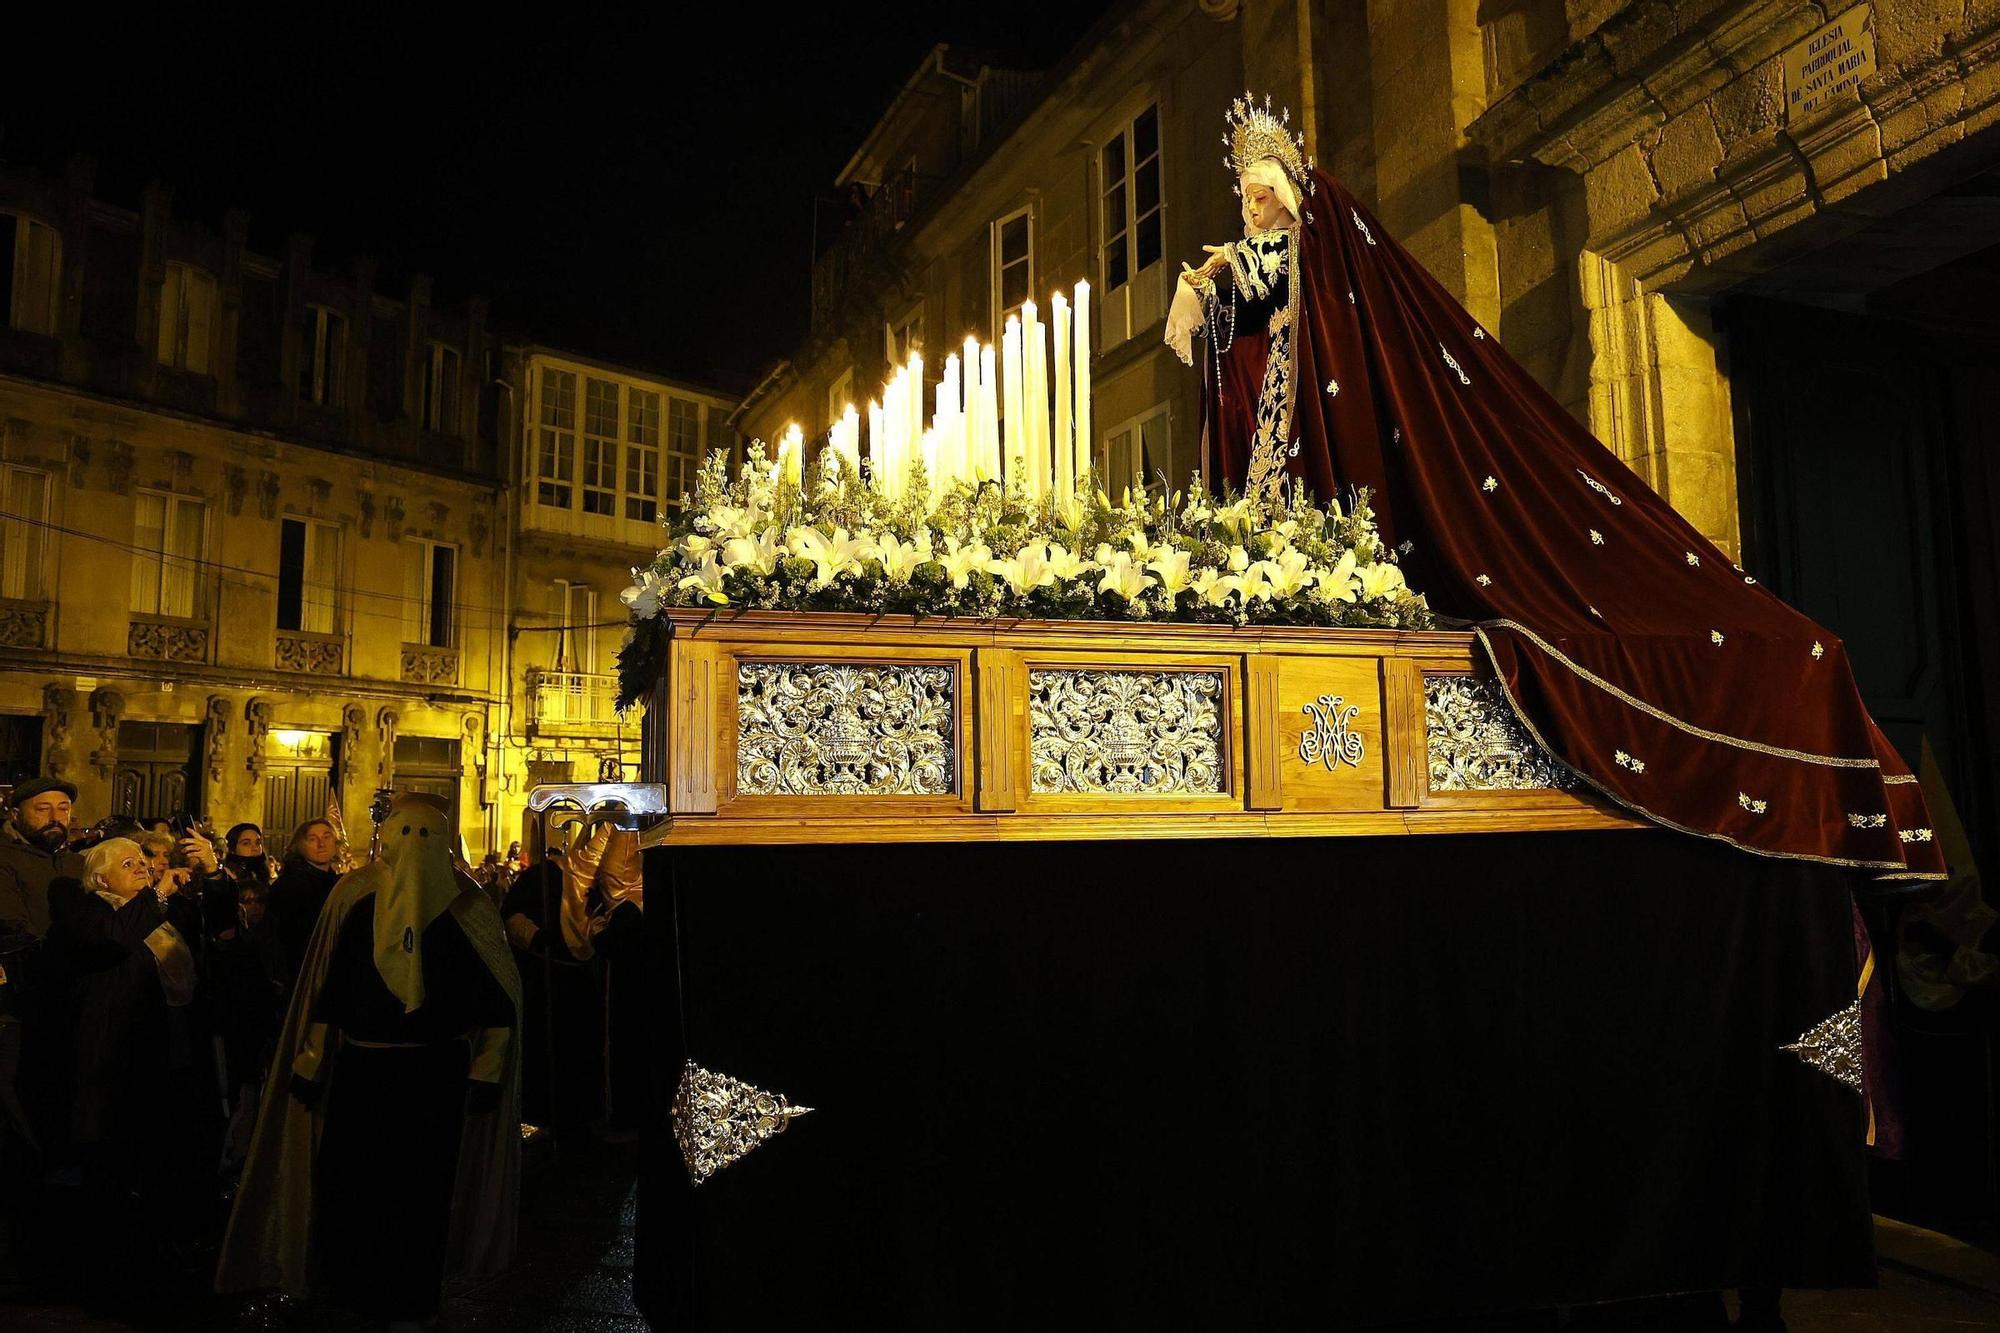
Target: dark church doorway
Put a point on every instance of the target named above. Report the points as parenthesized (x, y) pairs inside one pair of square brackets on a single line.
[(1867, 401)]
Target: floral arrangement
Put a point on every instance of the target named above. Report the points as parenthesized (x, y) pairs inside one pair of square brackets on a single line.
[(828, 538)]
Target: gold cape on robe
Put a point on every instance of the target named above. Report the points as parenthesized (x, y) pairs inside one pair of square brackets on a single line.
[(269, 1242)]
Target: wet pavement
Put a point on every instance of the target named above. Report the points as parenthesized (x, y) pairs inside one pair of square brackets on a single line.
[(579, 1200)]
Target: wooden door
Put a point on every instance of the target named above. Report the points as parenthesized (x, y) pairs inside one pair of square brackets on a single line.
[(155, 774)]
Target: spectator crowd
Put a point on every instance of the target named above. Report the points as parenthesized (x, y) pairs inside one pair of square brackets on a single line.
[(146, 967)]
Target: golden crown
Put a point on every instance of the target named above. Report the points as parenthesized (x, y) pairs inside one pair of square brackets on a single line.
[(1255, 133)]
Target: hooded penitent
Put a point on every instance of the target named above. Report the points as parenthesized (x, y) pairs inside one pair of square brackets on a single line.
[(1631, 646), (269, 1242)]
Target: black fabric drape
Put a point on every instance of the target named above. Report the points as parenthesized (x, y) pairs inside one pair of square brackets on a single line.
[(1252, 1083)]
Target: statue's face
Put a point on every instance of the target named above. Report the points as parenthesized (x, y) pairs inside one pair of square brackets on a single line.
[(1261, 209)]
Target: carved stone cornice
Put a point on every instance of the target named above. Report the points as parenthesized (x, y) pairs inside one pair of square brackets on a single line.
[(430, 666), (1672, 196), (1631, 75), (58, 711), (218, 743), (107, 709), (166, 639), (24, 624), (256, 725), (313, 654)]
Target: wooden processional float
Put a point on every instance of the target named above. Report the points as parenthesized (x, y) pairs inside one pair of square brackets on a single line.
[(800, 727)]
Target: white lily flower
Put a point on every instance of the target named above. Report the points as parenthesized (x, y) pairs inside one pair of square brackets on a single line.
[(899, 558), (694, 546), (831, 556), (734, 521), (1170, 569), (1339, 583), (1028, 570), (1122, 575), (1239, 560), (1290, 572), (707, 578), (961, 562), (1235, 518), (1212, 588), (1380, 581), (644, 597), (1253, 584), (1066, 564), (757, 554)]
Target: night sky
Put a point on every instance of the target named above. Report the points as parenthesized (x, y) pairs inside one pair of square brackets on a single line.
[(636, 188)]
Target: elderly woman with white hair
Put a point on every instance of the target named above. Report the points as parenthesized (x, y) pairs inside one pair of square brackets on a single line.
[(144, 1103)]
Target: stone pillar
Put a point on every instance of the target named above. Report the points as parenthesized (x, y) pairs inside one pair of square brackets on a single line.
[(1658, 397), (1429, 75), (155, 212), (292, 299), (229, 297)]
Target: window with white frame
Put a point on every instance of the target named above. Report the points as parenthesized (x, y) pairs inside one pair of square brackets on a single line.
[(576, 626), (430, 573), (903, 336), (24, 502), (167, 533), (642, 455), (187, 313), (683, 448), (1013, 243), (440, 405), (1132, 222), (308, 575), (1134, 453), (31, 273), (840, 394), (600, 446), (322, 377), (555, 450)]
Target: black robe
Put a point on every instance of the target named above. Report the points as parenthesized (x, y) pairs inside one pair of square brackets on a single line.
[(563, 1010), (394, 1114)]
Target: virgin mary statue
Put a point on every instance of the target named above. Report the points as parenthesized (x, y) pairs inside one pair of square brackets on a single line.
[(1629, 646)]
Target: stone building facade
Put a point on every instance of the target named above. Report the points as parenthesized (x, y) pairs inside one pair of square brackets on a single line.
[(986, 187), (266, 538)]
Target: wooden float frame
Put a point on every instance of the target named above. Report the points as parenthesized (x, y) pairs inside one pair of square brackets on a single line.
[(1269, 674)]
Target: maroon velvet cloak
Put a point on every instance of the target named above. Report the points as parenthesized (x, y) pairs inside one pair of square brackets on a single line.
[(1628, 644)]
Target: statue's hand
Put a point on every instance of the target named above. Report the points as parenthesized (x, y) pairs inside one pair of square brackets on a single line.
[(1218, 259)]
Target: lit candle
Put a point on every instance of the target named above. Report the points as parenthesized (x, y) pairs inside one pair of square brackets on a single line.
[(850, 439), (968, 420), (791, 454), (1010, 389), (1086, 447), (989, 415), (1065, 451), (1036, 387), (905, 438), (875, 442), (946, 423), (915, 403)]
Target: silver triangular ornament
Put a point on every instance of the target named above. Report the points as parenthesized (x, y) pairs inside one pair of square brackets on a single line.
[(718, 1119), (1833, 1046)]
